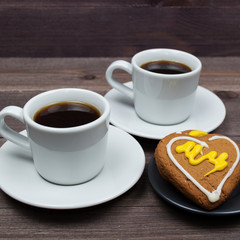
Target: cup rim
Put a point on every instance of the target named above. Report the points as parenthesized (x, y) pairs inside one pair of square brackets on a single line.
[(29, 120), (194, 71)]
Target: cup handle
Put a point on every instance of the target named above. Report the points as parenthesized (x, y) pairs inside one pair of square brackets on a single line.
[(7, 132), (126, 66)]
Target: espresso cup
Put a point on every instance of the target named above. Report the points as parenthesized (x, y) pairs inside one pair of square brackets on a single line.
[(68, 155), (159, 98)]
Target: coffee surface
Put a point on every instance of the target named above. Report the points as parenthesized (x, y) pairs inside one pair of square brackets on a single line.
[(66, 114), (166, 67)]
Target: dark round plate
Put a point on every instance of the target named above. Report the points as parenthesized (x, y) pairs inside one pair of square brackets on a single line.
[(169, 193)]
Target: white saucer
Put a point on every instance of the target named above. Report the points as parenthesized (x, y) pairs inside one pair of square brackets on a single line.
[(209, 112), (124, 166)]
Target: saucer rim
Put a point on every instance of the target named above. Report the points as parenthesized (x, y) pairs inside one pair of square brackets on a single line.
[(165, 189), (148, 135), (134, 178)]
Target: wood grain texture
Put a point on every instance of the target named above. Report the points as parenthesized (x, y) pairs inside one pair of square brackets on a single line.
[(118, 28), (139, 213)]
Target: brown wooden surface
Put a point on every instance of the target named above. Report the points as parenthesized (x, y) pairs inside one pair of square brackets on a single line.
[(139, 213), (92, 28)]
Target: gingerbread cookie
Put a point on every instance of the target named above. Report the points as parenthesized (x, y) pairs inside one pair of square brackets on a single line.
[(204, 167)]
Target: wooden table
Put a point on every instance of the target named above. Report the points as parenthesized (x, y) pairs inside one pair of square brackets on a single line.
[(139, 213)]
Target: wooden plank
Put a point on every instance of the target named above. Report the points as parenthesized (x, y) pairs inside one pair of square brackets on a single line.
[(45, 73), (113, 28), (113, 222)]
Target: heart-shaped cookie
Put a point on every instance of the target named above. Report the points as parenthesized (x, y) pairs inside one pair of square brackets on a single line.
[(204, 167)]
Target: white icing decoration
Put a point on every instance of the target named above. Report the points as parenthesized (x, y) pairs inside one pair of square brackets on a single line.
[(214, 195)]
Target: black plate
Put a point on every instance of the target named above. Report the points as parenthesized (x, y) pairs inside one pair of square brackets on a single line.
[(169, 193)]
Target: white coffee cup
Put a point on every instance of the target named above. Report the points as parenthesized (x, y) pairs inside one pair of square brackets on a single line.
[(64, 156), (162, 99)]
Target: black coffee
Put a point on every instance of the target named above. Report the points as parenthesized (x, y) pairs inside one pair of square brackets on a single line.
[(66, 114), (166, 67)]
